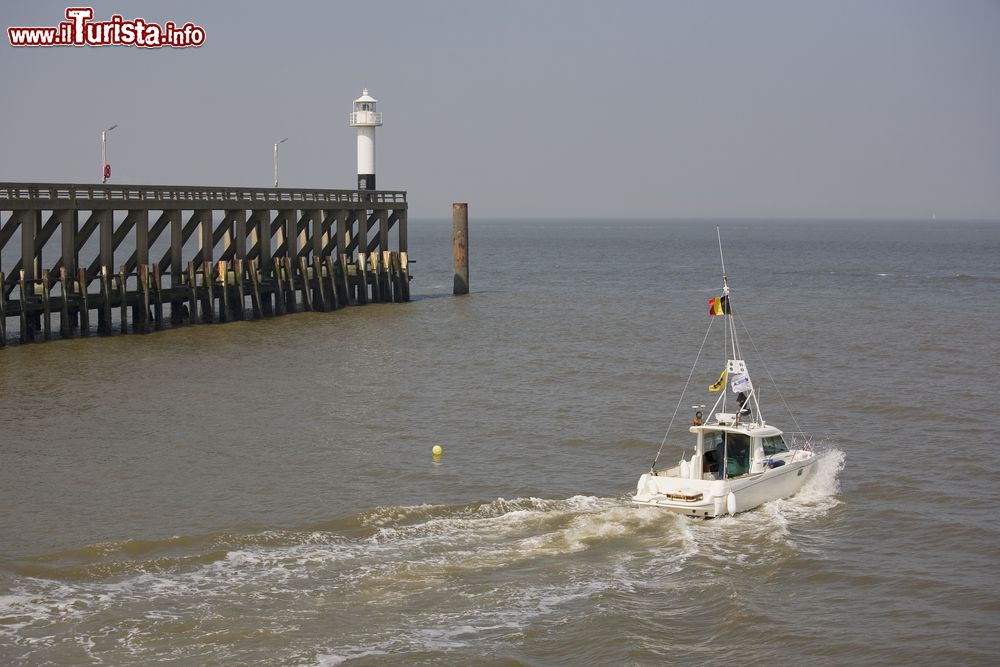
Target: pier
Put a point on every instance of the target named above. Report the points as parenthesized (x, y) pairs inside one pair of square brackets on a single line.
[(102, 259)]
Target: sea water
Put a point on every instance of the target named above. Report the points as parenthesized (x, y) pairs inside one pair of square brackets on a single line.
[(264, 492)]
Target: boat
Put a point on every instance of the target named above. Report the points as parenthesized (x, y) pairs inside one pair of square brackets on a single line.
[(738, 461)]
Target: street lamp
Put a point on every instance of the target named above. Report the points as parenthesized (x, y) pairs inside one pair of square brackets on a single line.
[(276, 160), (105, 167)]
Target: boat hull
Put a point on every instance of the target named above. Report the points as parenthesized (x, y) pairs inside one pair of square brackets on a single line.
[(716, 497)]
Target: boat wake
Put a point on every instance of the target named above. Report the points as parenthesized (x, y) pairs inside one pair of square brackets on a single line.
[(484, 571)]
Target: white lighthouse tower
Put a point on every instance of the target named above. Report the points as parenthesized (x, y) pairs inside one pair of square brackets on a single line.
[(366, 119)]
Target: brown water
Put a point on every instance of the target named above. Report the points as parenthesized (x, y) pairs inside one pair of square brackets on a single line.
[(265, 492)]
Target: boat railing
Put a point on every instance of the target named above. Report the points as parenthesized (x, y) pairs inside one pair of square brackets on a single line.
[(800, 440)]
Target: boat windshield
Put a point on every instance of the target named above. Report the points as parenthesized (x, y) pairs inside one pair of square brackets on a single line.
[(774, 445)]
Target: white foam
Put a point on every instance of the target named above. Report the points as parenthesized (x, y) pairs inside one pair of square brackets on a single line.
[(818, 495), (350, 653), (824, 482), (424, 547)]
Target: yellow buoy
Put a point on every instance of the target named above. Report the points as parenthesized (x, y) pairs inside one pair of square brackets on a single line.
[(436, 450)]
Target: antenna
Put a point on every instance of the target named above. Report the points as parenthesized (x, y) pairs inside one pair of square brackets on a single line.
[(722, 259)]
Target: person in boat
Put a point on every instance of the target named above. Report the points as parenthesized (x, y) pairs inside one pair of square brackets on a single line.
[(697, 419), (741, 401), (713, 459)]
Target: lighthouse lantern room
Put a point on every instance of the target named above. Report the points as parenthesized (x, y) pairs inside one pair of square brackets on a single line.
[(366, 119)]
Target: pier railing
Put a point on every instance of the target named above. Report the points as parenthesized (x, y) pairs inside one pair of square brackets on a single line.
[(67, 193)]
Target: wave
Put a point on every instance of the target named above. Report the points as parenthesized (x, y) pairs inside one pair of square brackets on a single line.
[(908, 276), (967, 278)]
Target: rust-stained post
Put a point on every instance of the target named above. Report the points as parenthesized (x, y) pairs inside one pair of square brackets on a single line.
[(460, 246)]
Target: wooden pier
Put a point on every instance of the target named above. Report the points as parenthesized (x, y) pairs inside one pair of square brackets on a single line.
[(190, 255)]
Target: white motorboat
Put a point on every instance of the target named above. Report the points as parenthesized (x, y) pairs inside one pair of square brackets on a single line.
[(739, 461)]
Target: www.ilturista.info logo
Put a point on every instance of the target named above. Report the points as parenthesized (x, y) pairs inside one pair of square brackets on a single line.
[(80, 30)]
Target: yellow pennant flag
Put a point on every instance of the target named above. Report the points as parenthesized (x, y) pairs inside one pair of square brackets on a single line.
[(721, 383)]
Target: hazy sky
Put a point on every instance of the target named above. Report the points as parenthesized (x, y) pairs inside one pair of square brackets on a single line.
[(848, 108)]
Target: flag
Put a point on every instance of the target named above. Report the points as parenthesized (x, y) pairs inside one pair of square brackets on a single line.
[(718, 305), (741, 384), (721, 383)]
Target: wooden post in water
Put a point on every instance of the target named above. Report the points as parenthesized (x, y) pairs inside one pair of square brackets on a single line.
[(27, 332), (124, 301), (345, 285), (239, 274), (70, 259), (362, 279), (279, 287), (255, 303), (157, 297), (65, 329), (192, 295), (307, 293), (460, 246), (144, 306), (386, 267), (46, 309), (177, 268), (105, 319), (394, 277), (81, 284), (376, 287), (290, 275), (223, 270), (3, 310), (207, 282), (404, 269), (334, 303), (319, 298)]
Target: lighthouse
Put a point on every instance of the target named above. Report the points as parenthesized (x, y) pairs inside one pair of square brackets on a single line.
[(366, 119)]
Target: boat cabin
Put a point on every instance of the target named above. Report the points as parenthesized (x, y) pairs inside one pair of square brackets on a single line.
[(723, 452)]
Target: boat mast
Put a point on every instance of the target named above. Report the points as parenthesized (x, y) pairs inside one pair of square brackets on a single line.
[(727, 315), (732, 341)]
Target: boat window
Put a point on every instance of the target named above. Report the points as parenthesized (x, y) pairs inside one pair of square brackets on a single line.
[(774, 445), (737, 455), (713, 452), (712, 440)]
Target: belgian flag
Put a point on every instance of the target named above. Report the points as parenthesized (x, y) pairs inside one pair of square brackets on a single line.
[(718, 305)]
